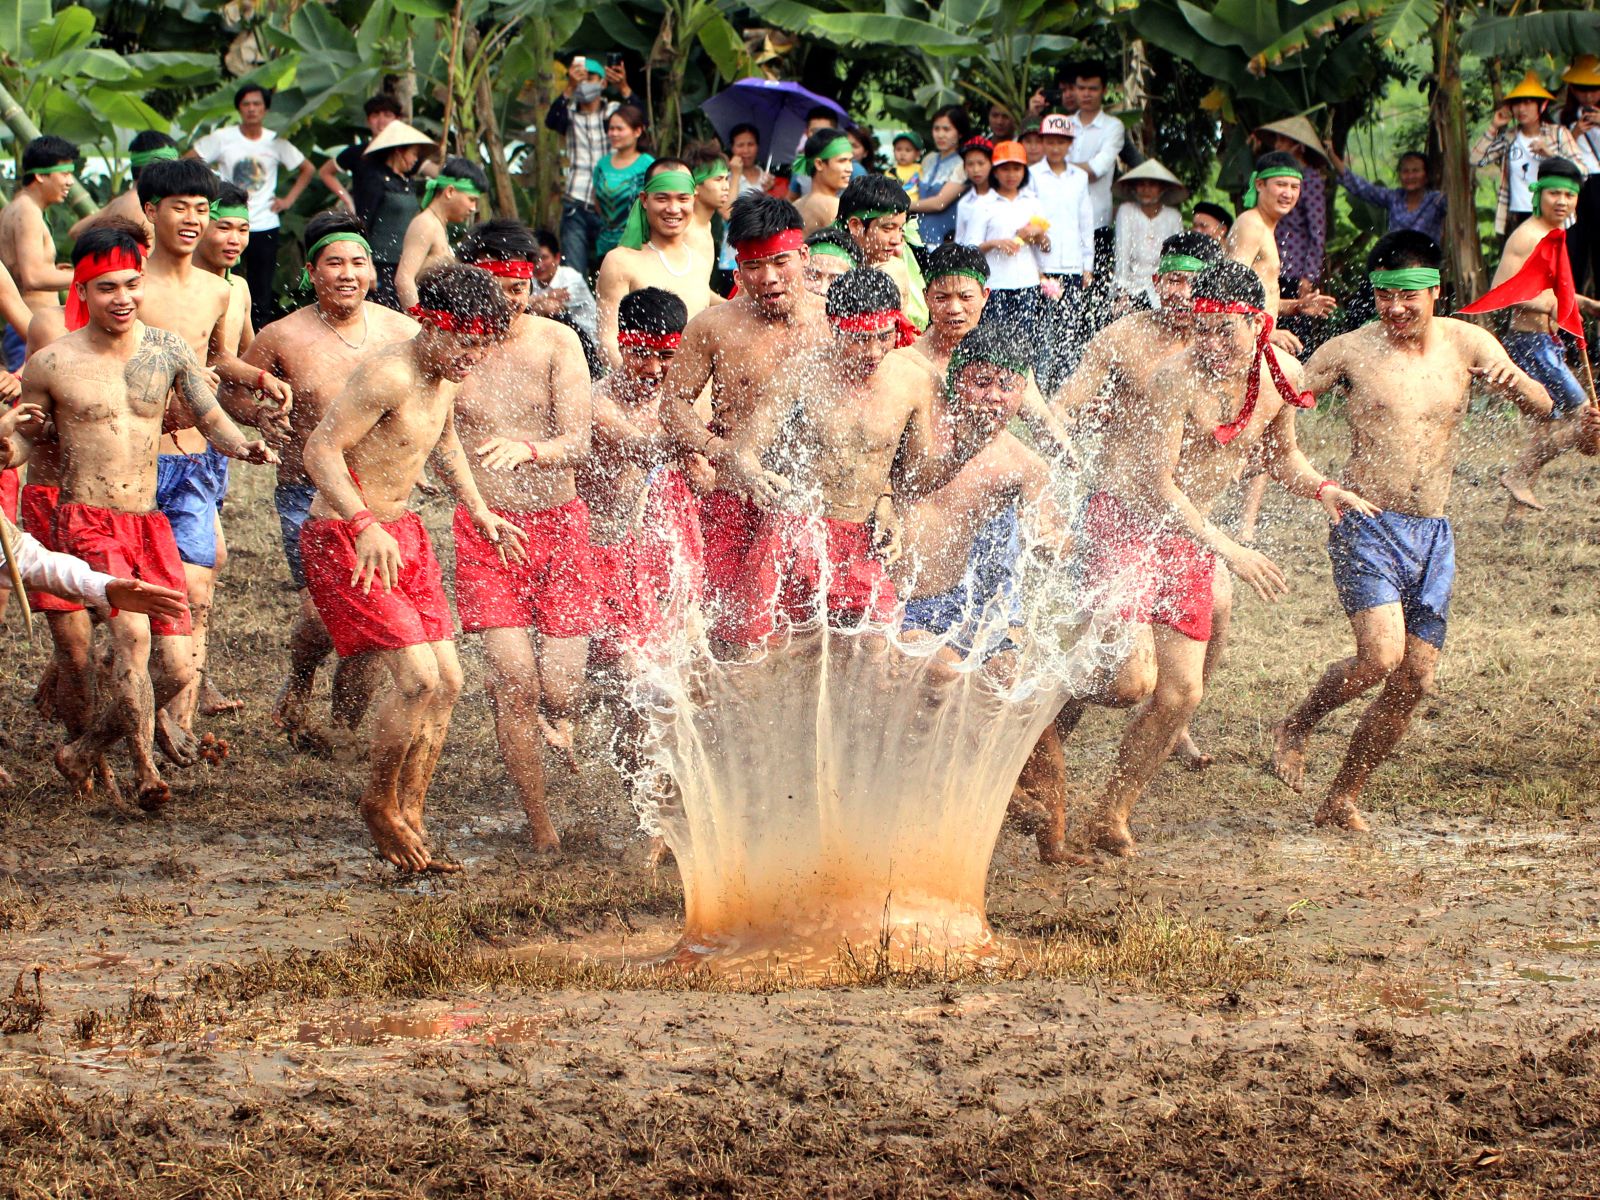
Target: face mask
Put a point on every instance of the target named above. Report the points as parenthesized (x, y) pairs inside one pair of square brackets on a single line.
[(588, 91)]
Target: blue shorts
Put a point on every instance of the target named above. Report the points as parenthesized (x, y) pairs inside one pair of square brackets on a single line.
[(293, 502), (1545, 359), (189, 490), (989, 585), (15, 346), (1396, 559)]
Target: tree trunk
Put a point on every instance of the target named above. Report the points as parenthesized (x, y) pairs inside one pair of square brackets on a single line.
[(405, 88), (541, 175), (1464, 257), (505, 199), (450, 80), (24, 131)]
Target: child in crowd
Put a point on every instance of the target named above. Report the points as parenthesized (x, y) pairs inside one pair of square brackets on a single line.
[(908, 163)]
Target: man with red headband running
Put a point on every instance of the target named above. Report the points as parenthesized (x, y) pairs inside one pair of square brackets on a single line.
[(1147, 549), (105, 385), (751, 351), (368, 562), (523, 417)]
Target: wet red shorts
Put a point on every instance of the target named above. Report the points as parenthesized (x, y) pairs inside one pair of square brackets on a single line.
[(792, 559), (728, 524), (38, 509), (414, 613), (1156, 578), (126, 546), (636, 579), (10, 485), (551, 590)]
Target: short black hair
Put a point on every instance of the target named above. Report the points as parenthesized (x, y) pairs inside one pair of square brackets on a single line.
[(1089, 68), (502, 239), (332, 220), (466, 293), (704, 154), (744, 127), (464, 168), (382, 102), (46, 151), (1560, 168), (667, 164), (1230, 283), (821, 112), (834, 236), (652, 310), (1215, 211), (1404, 248), (1195, 245), (756, 215), (1278, 158), (178, 177), (145, 141), (246, 89), (548, 241), (106, 236), (231, 195), (954, 256), (872, 193), (861, 291)]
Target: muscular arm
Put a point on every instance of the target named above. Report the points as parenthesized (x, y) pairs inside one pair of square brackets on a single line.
[(414, 253), (209, 418), (1086, 385), (610, 287), (237, 394), (36, 269), (1244, 240), (1494, 368), (37, 376), (349, 418), (1325, 370), (1285, 461), (1047, 429)]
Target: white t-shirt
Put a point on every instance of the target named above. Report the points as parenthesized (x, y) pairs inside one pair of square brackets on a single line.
[(1097, 146), (251, 165), (969, 216), (1067, 206), (1522, 168), (1001, 219)]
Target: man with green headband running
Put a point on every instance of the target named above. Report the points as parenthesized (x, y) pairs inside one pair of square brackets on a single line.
[(27, 250), (1406, 379), (221, 247), (450, 198), (656, 251), (147, 146)]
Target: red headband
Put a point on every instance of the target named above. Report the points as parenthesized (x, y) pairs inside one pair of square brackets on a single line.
[(450, 323), (514, 268), (1252, 389), (753, 249), (876, 322), (638, 339), (92, 267)]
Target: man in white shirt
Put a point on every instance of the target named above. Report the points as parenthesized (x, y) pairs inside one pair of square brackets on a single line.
[(248, 156), (558, 288), (1068, 266)]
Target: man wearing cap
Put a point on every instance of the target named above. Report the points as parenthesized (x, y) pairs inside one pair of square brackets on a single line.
[(1518, 139), (1534, 342), (1581, 116), (655, 250), (1406, 379), (450, 198), (381, 191), (1067, 268), (27, 250), (579, 115)]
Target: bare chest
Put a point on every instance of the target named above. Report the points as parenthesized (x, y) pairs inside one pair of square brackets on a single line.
[(191, 312)]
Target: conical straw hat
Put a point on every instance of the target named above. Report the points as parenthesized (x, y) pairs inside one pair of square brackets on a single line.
[(1150, 171), (1529, 89), (1584, 72), (396, 134), (1300, 130)]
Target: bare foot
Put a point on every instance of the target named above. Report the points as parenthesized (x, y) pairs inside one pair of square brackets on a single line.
[(1341, 813), (1288, 757), (1053, 851), (176, 742), (443, 866), (1189, 754), (108, 784), (558, 736), (44, 696), (543, 835), (1113, 836), (1521, 489), (154, 795), (397, 842), (213, 702), (289, 714), (76, 772)]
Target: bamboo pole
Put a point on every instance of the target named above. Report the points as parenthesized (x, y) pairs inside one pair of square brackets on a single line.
[(8, 547), (24, 131)]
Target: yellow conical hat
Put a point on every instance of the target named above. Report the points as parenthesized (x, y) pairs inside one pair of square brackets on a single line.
[(1529, 89)]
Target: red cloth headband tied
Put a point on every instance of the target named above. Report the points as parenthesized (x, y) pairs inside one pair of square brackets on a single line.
[(754, 249), (1225, 433), (513, 268), (637, 339), (92, 267), (877, 322), (450, 323)]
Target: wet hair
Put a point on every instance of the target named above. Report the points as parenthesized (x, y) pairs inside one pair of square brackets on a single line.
[(146, 140), (265, 93), (548, 241), (1215, 211), (178, 177), (756, 215), (1560, 168), (465, 168), (1277, 158), (333, 220), (466, 293), (990, 342), (46, 151), (957, 116), (1195, 245), (952, 257), (861, 291), (818, 141), (1230, 283), (134, 229), (382, 102), (1089, 68), (652, 310), (1404, 248), (502, 239), (104, 237), (702, 154), (834, 236), (744, 127), (872, 193), (634, 118)]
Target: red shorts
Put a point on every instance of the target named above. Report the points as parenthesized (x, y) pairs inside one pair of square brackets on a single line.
[(728, 524), (127, 546), (1155, 577), (784, 576), (414, 613), (10, 485), (38, 509), (551, 590), (636, 579)]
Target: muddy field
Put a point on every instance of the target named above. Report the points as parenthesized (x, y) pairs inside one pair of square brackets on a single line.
[(237, 999)]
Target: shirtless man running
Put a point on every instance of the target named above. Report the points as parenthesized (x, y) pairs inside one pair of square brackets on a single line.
[(1406, 378), (105, 386), (27, 250), (369, 565), (656, 250), (523, 417), (449, 198), (874, 210), (314, 350)]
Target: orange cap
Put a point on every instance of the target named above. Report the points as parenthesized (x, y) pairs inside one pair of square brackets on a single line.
[(1010, 152)]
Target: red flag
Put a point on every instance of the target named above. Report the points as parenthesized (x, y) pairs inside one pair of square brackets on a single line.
[(1548, 269)]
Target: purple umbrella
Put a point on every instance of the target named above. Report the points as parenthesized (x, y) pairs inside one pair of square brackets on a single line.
[(777, 109)]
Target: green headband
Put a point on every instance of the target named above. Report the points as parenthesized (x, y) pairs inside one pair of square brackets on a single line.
[(1552, 183), (806, 164), (230, 212), (1406, 279), (340, 235), (1269, 173), (444, 181), (707, 171), (636, 231), (961, 359), (866, 214), (829, 248), (143, 158), (1179, 262), (982, 277), (58, 169)]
